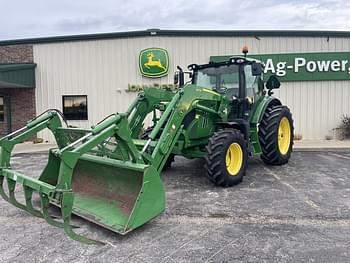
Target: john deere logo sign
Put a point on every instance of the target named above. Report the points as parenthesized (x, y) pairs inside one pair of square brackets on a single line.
[(154, 62)]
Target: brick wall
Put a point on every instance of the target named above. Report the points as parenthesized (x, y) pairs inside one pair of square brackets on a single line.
[(22, 100), (16, 54), (22, 107)]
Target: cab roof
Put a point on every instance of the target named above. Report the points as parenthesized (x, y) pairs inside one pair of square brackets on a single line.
[(230, 61)]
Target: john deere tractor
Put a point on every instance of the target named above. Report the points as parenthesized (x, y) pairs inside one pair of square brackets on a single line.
[(110, 174)]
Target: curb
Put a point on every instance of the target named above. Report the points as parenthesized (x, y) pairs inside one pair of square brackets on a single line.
[(321, 149)]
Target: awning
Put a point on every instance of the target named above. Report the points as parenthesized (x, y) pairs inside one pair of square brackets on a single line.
[(17, 75)]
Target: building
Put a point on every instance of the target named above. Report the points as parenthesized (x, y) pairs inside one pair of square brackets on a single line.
[(91, 76)]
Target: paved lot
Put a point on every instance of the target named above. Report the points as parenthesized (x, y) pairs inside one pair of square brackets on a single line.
[(295, 213)]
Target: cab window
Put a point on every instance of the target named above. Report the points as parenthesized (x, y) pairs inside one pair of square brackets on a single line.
[(223, 79), (252, 82)]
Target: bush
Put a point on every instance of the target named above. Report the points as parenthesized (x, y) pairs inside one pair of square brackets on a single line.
[(298, 137), (329, 137), (345, 126)]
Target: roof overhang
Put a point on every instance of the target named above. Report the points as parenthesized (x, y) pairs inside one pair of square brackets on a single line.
[(17, 75), (180, 33)]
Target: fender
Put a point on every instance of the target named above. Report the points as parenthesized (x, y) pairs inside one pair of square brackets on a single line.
[(239, 124), (256, 116), (260, 107)]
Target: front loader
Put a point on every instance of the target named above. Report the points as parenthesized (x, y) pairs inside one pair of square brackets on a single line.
[(110, 174)]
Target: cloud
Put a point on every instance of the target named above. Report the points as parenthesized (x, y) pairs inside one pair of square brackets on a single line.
[(46, 18)]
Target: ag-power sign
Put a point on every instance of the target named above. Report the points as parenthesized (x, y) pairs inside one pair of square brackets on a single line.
[(303, 66)]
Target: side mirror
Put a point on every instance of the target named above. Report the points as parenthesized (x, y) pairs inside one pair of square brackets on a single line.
[(272, 83), (256, 69), (176, 78), (179, 77)]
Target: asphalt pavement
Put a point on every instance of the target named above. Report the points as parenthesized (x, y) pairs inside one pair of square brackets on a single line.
[(299, 212)]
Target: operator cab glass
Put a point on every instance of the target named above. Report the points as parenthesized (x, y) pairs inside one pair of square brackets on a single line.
[(252, 83), (223, 79)]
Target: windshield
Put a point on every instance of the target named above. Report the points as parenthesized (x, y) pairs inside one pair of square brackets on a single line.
[(222, 79)]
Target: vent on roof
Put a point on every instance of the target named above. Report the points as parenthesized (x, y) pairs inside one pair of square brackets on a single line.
[(153, 31)]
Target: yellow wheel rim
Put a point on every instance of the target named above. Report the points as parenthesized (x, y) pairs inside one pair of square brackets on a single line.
[(234, 159), (284, 136)]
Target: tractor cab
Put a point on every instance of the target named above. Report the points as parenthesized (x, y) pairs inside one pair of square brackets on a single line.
[(239, 79), (236, 78)]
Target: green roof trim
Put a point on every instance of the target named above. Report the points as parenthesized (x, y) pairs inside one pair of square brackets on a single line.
[(182, 33), (18, 75)]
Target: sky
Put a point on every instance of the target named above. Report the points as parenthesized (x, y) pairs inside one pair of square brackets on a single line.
[(42, 18)]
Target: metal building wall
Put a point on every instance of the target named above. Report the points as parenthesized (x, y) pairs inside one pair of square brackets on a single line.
[(102, 69)]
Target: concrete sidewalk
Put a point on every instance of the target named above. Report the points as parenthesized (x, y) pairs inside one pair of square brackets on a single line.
[(321, 145), (303, 145)]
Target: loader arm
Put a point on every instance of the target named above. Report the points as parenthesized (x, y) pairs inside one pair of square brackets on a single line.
[(49, 119), (146, 102), (55, 185), (187, 99), (120, 191)]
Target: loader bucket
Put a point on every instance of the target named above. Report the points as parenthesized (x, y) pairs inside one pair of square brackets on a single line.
[(117, 195), (114, 194)]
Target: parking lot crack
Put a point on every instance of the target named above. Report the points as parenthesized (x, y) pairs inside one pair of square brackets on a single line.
[(258, 220), (339, 155), (301, 196), (227, 245), (185, 244)]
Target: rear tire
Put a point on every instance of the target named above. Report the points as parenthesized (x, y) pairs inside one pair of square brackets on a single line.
[(226, 160), (276, 135)]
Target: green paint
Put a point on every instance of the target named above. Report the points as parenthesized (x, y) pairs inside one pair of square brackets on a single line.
[(154, 62), (18, 75), (303, 66), (254, 139), (105, 212), (259, 108)]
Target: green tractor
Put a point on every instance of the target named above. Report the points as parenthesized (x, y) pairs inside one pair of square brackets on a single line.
[(110, 174)]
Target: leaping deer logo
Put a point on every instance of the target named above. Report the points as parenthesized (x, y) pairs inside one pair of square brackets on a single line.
[(153, 63)]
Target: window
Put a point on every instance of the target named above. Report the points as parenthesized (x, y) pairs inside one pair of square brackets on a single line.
[(75, 107), (252, 82), (222, 79), (2, 112)]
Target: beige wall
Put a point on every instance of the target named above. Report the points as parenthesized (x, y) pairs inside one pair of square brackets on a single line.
[(102, 69)]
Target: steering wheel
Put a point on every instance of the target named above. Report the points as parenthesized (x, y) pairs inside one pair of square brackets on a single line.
[(222, 89)]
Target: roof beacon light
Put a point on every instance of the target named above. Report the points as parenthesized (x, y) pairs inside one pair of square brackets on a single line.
[(245, 50)]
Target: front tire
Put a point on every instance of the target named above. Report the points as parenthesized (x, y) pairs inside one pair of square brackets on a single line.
[(276, 135), (226, 158)]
